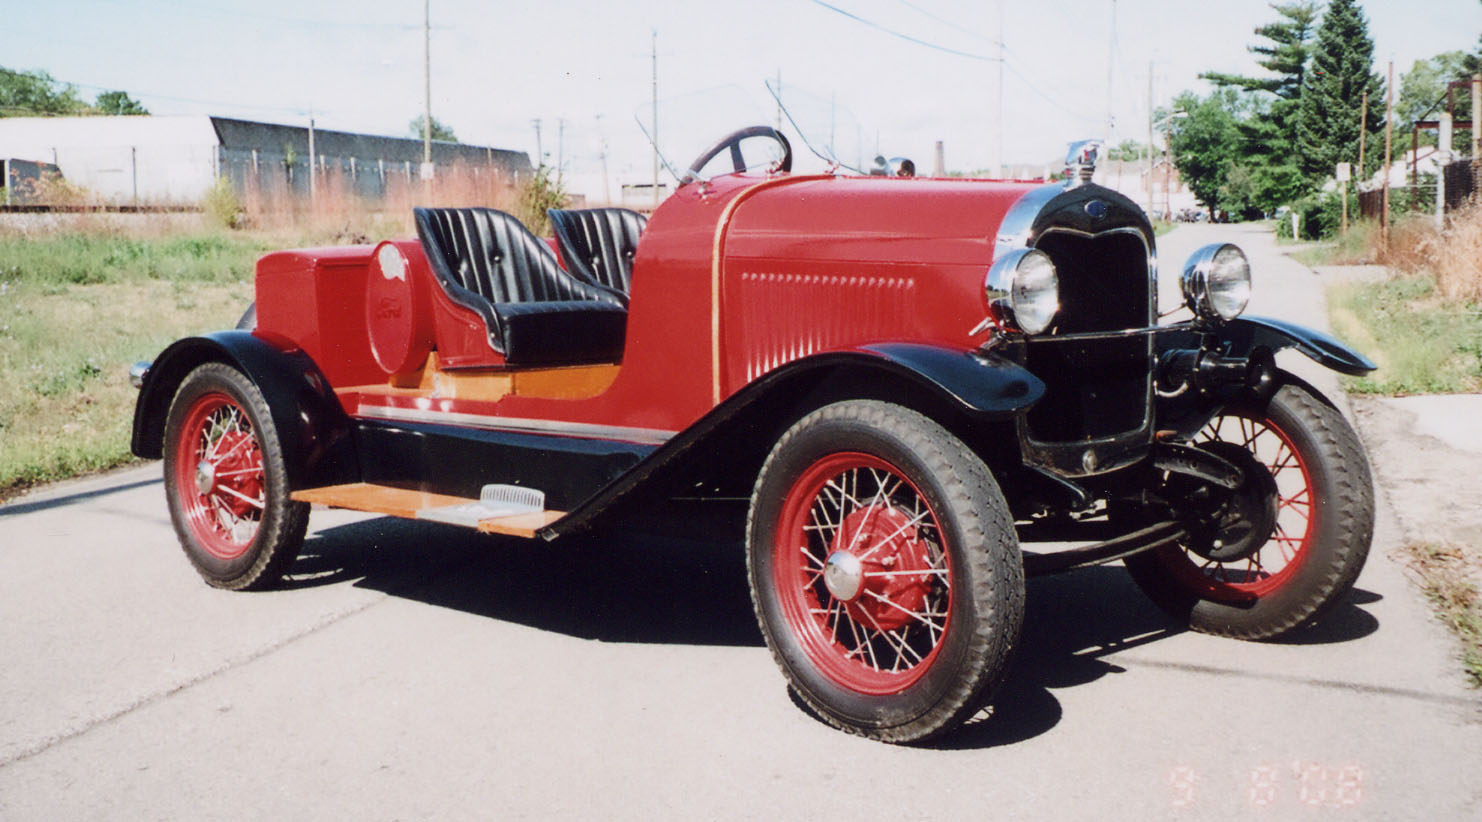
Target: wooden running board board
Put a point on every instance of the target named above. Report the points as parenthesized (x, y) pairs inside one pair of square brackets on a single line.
[(405, 503)]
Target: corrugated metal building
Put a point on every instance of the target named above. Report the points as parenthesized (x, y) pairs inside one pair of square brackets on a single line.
[(176, 159)]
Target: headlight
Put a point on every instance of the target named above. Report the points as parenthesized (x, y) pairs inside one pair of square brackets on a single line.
[(1023, 291), (1216, 281)]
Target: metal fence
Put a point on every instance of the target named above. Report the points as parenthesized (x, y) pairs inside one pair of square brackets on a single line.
[(1461, 184)]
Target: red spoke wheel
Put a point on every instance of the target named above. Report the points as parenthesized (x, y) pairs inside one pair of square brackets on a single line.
[(885, 570), (226, 481), (219, 474), (1307, 511)]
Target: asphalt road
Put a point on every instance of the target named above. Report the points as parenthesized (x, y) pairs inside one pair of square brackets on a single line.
[(418, 671)]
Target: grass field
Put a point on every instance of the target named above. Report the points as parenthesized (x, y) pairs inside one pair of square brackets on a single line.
[(75, 310), (1422, 343)]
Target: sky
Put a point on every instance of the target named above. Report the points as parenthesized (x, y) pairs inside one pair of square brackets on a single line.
[(899, 74)]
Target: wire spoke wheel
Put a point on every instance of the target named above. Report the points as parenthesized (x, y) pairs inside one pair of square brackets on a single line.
[(864, 576), (1287, 545), (219, 469), (885, 570), (1279, 553), (227, 482)]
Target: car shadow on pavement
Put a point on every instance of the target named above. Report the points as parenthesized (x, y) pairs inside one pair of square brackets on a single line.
[(1073, 622), (612, 586), (627, 586)]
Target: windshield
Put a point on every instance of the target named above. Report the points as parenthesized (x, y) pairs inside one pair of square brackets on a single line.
[(687, 125), (830, 130)]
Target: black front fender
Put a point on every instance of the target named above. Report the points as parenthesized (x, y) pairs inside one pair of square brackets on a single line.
[(313, 429), (1243, 336), (979, 386)]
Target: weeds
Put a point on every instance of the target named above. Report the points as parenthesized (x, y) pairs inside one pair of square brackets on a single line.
[(337, 213), (1446, 577), (1422, 343), (107, 257), (83, 295), (540, 194), (75, 310), (222, 205), (1353, 248)]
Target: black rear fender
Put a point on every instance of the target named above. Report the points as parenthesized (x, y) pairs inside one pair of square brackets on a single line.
[(313, 430)]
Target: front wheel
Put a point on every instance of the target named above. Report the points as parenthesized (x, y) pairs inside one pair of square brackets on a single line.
[(1290, 543), (226, 481), (885, 570)]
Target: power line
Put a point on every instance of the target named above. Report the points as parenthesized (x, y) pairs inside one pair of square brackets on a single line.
[(1047, 98), (893, 33), (944, 21)]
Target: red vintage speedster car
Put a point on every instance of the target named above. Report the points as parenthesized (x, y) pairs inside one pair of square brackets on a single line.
[(906, 377)]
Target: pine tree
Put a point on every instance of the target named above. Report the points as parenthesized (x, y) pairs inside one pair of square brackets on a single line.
[(1327, 116), (1265, 175), (1285, 57)]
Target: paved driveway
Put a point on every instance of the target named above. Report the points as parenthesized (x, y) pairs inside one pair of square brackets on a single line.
[(415, 670)]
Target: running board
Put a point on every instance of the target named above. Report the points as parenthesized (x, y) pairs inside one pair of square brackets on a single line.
[(1146, 539), (501, 510)]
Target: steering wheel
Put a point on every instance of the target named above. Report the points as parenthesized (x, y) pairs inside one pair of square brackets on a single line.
[(732, 142)]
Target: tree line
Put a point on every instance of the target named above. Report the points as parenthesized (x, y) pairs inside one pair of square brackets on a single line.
[(35, 93), (1257, 143)]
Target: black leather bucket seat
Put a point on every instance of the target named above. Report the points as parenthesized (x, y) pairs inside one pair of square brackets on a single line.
[(536, 313), (598, 244)]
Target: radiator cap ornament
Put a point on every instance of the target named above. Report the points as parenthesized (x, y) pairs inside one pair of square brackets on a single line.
[(1080, 162)]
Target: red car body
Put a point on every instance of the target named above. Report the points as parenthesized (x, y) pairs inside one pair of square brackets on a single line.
[(817, 345)]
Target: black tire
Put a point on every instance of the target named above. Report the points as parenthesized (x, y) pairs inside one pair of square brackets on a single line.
[(1233, 599), (226, 482), (951, 553)]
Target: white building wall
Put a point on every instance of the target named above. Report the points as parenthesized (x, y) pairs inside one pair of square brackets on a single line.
[(153, 160)]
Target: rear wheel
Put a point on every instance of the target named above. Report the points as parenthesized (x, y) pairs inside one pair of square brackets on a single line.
[(226, 481), (885, 570), (1287, 546)]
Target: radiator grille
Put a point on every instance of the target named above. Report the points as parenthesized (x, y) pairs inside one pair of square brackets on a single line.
[(1095, 388)]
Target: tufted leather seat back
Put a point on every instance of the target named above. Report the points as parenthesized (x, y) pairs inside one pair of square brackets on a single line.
[(536, 313), (493, 255), (598, 244)]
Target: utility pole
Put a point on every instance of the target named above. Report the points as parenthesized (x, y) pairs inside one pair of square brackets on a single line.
[(1150, 138), (560, 149), (1111, 53), (779, 99), (1389, 114), (602, 144), (1167, 169), (427, 89), (654, 58), (313, 164), (1443, 157), (1363, 130), (1477, 136), (999, 171)]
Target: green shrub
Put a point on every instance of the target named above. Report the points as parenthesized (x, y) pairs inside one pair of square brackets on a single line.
[(222, 205), (1319, 216), (542, 192)]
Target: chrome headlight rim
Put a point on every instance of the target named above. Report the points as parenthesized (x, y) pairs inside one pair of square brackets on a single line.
[(1018, 286), (1209, 289)]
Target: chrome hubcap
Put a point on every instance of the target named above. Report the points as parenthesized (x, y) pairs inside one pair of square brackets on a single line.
[(205, 477), (844, 575)]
